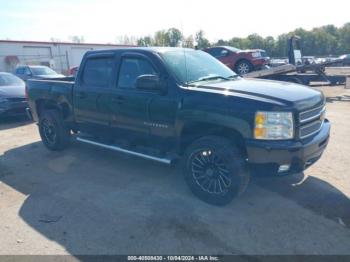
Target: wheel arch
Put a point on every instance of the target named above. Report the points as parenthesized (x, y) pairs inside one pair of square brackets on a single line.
[(192, 131), (47, 104), (241, 59)]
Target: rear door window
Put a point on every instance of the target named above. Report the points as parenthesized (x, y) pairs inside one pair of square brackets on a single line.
[(98, 71)]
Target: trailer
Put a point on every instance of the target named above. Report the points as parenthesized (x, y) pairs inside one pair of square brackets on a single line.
[(299, 72), (307, 78), (288, 74)]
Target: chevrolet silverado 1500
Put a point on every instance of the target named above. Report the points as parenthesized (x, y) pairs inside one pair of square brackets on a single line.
[(182, 105)]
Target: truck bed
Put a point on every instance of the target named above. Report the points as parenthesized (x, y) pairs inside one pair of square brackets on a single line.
[(59, 90), (50, 88)]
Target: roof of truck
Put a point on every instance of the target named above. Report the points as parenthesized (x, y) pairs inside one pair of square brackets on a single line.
[(156, 49)]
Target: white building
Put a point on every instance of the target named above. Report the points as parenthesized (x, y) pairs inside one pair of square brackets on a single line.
[(60, 56)]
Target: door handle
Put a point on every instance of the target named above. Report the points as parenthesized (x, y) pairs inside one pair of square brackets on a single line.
[(81, 94)]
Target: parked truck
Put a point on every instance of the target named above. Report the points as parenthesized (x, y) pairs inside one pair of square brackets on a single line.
[(175, 105)]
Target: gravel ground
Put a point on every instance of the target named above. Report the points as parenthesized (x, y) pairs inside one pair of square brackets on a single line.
[(87, 200)]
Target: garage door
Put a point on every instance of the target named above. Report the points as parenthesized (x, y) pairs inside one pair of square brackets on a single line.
[(37, 54), (77, 54)]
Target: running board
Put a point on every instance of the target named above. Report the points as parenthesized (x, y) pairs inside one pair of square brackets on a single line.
[(119, 149)]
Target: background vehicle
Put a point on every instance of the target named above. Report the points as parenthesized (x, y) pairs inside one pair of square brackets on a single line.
[(12, 95), (308, 63), (345, 60), (241, 61), (36, 72), (274, 62), (309, 60), (328, 59), (73, 71), (174, 104)]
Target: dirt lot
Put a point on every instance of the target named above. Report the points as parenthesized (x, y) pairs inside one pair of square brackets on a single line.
[(87, 200)]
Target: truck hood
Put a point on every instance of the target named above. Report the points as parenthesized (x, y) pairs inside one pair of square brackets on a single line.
[(279, 93), (12, 91)]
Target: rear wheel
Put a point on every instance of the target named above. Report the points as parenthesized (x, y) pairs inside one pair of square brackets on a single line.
[(215, 170), (53, 131), (243, 67)]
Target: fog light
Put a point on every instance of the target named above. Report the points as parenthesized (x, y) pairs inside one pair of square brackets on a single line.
[(283, 168)]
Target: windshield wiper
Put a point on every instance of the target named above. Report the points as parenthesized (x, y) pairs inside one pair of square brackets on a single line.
[(208, 78)]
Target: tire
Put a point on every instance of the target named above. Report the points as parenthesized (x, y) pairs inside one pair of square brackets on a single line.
[(53, 131), (243, 67), (215, 170)]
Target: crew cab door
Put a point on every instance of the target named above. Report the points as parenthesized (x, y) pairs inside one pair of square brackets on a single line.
[(92, 92), (141, 113)]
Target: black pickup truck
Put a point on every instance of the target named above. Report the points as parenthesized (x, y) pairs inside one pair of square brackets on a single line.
[(182, 105)]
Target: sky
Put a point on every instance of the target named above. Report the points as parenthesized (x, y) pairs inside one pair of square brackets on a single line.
[(102, 21)]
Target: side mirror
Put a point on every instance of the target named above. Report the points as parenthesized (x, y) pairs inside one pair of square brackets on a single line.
[(148, 82), (28, 74)]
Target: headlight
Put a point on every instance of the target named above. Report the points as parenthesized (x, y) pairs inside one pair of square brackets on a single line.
[(273, 125), (256, 54)]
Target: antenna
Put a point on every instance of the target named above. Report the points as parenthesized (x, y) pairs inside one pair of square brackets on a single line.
[(184, 51)]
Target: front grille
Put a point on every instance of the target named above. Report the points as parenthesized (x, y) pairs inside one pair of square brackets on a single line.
[(311, 121), (311, 114), (310, 129)]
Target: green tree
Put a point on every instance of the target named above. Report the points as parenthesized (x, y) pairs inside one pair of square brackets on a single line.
[(344, 39), (54, 39), (255, 41), (280, 49), (161, 38), (201, 41), (145, 41), (188, 42), (324, 40), (126, 40), (77, 39), (221, 42), (236, 42), (174, 36), (269, 45)]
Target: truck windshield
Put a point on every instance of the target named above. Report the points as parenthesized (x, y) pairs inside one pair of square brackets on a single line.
[(192, 66), (42, 71)]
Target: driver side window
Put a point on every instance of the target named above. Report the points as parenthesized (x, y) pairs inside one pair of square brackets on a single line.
[(131, 69)]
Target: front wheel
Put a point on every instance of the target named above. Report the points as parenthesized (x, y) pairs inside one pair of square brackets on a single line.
[(243, 67), (53, 131), (215, 170)]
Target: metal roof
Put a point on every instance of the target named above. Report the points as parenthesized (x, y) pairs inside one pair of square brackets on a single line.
[(61, 43)]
